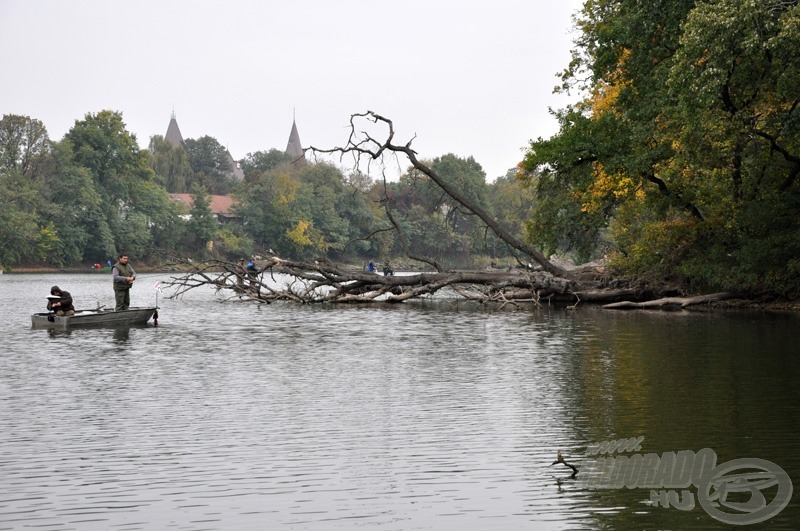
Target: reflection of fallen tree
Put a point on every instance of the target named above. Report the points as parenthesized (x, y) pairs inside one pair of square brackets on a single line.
[(670, 302), (316, 282)]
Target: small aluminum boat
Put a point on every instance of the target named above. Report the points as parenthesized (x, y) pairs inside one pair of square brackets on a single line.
[(95, 318)]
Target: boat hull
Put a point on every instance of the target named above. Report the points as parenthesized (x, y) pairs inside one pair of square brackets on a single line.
[(94, 318)]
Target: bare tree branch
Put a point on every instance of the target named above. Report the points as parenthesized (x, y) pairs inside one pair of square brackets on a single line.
[(364, 144)]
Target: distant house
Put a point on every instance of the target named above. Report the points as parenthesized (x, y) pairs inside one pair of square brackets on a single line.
[(221, 206)]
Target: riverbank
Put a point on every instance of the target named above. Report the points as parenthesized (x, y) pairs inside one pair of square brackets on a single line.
[(88, 269)]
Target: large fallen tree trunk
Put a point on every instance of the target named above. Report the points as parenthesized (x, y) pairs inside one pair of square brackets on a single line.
[(277, 279)]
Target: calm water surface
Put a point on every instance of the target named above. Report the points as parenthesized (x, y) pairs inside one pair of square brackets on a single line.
[(238, 416)]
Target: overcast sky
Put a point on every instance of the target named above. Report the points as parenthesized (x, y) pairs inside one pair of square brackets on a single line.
[(470, 78)]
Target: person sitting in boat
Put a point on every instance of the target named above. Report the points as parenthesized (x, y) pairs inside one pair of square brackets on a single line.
[(387, 270), (60, 302)]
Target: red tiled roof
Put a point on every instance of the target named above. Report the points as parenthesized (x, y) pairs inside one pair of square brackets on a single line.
[(220, 204)]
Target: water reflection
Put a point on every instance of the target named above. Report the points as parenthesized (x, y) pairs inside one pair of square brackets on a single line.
[(59, 332), (119, 333), (394, 417), (122, 333)]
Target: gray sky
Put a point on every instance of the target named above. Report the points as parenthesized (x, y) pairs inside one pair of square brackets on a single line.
[(470, 78)]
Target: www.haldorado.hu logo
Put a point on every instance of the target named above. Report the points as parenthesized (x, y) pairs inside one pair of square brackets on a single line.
[(732, 492)]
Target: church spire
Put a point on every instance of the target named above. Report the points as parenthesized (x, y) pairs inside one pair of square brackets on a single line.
[(294, 148), (174, 135)]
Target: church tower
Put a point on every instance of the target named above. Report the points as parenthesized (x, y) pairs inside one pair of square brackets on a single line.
[(236, 168), (174, 135), (294, 148)]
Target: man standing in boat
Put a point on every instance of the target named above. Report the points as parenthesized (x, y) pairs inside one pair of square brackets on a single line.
[(123, 277)]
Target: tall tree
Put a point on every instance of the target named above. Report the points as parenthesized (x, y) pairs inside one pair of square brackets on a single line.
[(209, 161), (171, 164), (102, 145), (255, 164), (76, 210), (687, 144), (513, 204), (22, 235), (23, 144), (25, 233), (203, 224)]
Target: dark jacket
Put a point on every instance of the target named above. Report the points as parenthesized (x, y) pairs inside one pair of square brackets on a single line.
[(64, 298)]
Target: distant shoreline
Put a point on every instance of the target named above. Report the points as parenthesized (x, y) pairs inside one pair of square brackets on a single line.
[(74, 270)]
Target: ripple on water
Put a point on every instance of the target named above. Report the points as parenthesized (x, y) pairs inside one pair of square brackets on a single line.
[(393, 417)]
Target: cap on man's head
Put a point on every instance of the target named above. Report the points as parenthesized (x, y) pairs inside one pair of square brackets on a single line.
[(54, 290)]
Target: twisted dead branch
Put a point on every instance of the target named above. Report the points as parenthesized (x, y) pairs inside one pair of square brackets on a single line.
[(363, 144)]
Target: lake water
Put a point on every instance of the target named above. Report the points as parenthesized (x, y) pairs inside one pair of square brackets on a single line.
[(415, 416)]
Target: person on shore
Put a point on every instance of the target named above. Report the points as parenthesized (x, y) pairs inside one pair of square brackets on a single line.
[(252, 275), (123, 277), (60, 302)]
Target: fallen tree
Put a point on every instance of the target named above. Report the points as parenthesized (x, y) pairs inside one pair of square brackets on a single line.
[(277, 279), (323, 281)]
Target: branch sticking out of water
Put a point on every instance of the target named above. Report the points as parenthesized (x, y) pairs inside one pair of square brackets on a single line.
[(560, 459)]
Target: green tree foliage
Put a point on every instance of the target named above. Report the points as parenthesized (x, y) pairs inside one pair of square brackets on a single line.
[(470, 179), (20, 226), (513, 204), (125, 183), (101, 144), (256, 164), (687, 146), (203, 223), (211, 165), (233, 243), (24, 144), (171, 164), (265, 206), (26, 233), (435, 225), (77, 210), (307, 211)]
